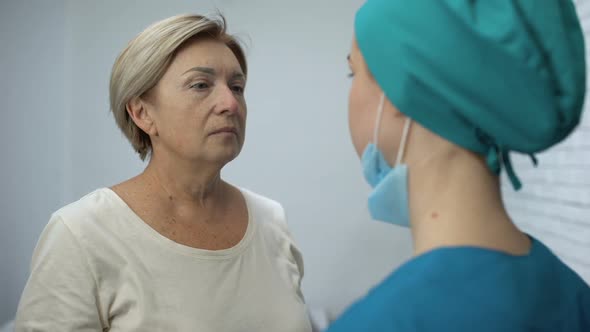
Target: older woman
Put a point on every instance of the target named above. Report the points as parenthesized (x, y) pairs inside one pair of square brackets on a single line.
[(175, 248), (442, 92)]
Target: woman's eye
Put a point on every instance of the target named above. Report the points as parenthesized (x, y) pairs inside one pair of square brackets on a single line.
[(238, 89), (200, 86)]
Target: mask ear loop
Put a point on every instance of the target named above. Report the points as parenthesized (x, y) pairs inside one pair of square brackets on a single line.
[(378, 120), (402, 145)]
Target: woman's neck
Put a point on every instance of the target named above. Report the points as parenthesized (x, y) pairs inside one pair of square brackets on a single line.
[(184, 182)]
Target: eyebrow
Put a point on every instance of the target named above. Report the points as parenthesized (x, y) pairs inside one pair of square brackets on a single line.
[(210, 71), (205, 70)]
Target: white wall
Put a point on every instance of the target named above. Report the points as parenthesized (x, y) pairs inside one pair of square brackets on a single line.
[(32, 104), (62, 141), (299, 150)]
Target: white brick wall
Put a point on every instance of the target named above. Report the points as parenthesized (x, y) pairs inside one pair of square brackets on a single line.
[(554, 204)]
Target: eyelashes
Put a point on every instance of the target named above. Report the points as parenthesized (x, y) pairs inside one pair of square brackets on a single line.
[(204, 86)]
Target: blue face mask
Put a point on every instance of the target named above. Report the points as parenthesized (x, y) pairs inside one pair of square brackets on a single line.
[(388, 201)]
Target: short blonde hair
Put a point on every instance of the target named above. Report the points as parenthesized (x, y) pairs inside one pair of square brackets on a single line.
[(145, 59)]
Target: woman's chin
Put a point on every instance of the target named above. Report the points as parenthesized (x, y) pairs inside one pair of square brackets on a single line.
[(224, 155)]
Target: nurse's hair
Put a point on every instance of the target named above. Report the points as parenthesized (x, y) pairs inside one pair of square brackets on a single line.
[(145, 59)]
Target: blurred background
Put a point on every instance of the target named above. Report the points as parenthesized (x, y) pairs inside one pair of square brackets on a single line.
[(59, 141)]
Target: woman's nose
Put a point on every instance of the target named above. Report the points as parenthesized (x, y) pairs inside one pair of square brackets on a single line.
[(227, 100)]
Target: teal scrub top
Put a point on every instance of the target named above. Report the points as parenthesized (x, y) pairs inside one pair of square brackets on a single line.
[(462, 289)]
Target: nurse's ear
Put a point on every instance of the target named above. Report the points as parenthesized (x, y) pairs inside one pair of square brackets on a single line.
[(389, 108)]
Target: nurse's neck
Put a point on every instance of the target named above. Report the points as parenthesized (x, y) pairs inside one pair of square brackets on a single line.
[(455, 200)]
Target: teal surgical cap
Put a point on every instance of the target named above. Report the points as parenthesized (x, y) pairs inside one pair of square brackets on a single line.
[(492, 76)]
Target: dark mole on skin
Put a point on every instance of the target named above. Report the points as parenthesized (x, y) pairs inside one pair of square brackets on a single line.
[(434, 215)]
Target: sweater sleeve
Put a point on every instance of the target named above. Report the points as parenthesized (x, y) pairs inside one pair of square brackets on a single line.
[(61, 293)]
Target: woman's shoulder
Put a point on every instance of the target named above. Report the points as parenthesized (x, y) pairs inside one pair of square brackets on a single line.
[(97, 206), (262, 208), (269, 217)]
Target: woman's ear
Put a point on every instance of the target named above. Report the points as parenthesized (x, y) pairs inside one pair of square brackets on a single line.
[(138, 112)]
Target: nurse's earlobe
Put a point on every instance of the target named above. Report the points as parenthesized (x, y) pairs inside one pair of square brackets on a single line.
[(389, 107)]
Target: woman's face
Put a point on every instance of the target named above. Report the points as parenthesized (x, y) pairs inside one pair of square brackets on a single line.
[(363, 102), (198, 107)]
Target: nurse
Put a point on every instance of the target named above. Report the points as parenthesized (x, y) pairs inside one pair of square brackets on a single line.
[(443, 92)]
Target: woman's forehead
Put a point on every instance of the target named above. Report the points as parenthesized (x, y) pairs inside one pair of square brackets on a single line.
[(211, 54)]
